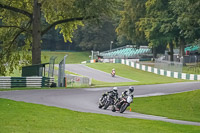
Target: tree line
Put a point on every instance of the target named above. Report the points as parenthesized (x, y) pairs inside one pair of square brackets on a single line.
[(25, 22), (161, 23), (32, 25), (157, 23)]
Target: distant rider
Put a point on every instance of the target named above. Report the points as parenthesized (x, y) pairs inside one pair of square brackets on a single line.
[(113, 71)]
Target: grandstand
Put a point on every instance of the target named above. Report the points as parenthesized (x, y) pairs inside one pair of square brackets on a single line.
[(126, 52), (192, 54), (192, 48)]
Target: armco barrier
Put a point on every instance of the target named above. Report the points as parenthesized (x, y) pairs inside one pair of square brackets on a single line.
[(5, 82), (12, 82), (155, 70)]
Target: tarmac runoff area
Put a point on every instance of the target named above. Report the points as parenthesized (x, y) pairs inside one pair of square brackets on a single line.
[(70, 98)]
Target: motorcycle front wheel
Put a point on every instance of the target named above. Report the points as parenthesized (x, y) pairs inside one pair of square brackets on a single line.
[(123, 107), (113, 108), (106, 105), (100, 106)]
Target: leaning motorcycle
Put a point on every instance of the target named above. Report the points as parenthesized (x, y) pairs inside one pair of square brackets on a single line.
[(122, 104), (109, 101)]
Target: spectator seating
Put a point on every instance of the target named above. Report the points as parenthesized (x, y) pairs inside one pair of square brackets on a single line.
[(125, 52), (192, 48)]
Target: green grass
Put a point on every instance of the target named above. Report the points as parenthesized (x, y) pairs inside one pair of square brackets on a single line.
[(131, 73), (182, 106), (192, 69), (72, 58), (20, 117)]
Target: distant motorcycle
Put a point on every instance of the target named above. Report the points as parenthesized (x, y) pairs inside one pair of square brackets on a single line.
[(122, 104), (113, 74)]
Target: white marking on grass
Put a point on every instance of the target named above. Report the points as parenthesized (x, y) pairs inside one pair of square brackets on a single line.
[(151, 94)]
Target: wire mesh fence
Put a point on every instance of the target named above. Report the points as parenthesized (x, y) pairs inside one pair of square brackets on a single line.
[(169, 65), (51, 66), (69, 80), (192, 59), (61, 74), (77, 81)]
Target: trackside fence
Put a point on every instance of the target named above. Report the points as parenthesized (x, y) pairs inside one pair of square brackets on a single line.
[(78, 81), (163, 72), (12, 82), (169, 65)]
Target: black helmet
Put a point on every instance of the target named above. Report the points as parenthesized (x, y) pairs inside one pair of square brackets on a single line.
[(131, 89)]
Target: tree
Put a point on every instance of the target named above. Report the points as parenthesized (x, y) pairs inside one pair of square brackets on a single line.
[(188, 12), (22, 19), (160, 24), (188, 20), (93, 37), (130, 15)]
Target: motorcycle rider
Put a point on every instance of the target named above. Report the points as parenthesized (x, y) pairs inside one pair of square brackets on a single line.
[(113, 71), (126, 93), (114, 92)]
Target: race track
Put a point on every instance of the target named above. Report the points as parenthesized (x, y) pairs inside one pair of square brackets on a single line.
[(86, 100), (95, 74)]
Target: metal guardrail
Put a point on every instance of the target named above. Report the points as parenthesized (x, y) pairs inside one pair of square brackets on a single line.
[(12, 82)]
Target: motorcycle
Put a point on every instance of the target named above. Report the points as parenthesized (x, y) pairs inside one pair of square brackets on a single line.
[(109, 101), (122, 104), (113, 74)]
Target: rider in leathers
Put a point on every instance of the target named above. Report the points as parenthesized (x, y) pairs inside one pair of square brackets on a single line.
[(113, 71), (126, 93), (114, 93)]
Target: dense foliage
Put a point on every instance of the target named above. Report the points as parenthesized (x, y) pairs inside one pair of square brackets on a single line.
[(24, 22), (163, 22)]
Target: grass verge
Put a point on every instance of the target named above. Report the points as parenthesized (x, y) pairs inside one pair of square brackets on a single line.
[(182, 106), (20, 117), (72, 58), (192, 69)]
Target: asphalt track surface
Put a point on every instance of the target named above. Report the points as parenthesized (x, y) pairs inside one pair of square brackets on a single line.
[(95, 74), (86, 99)]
